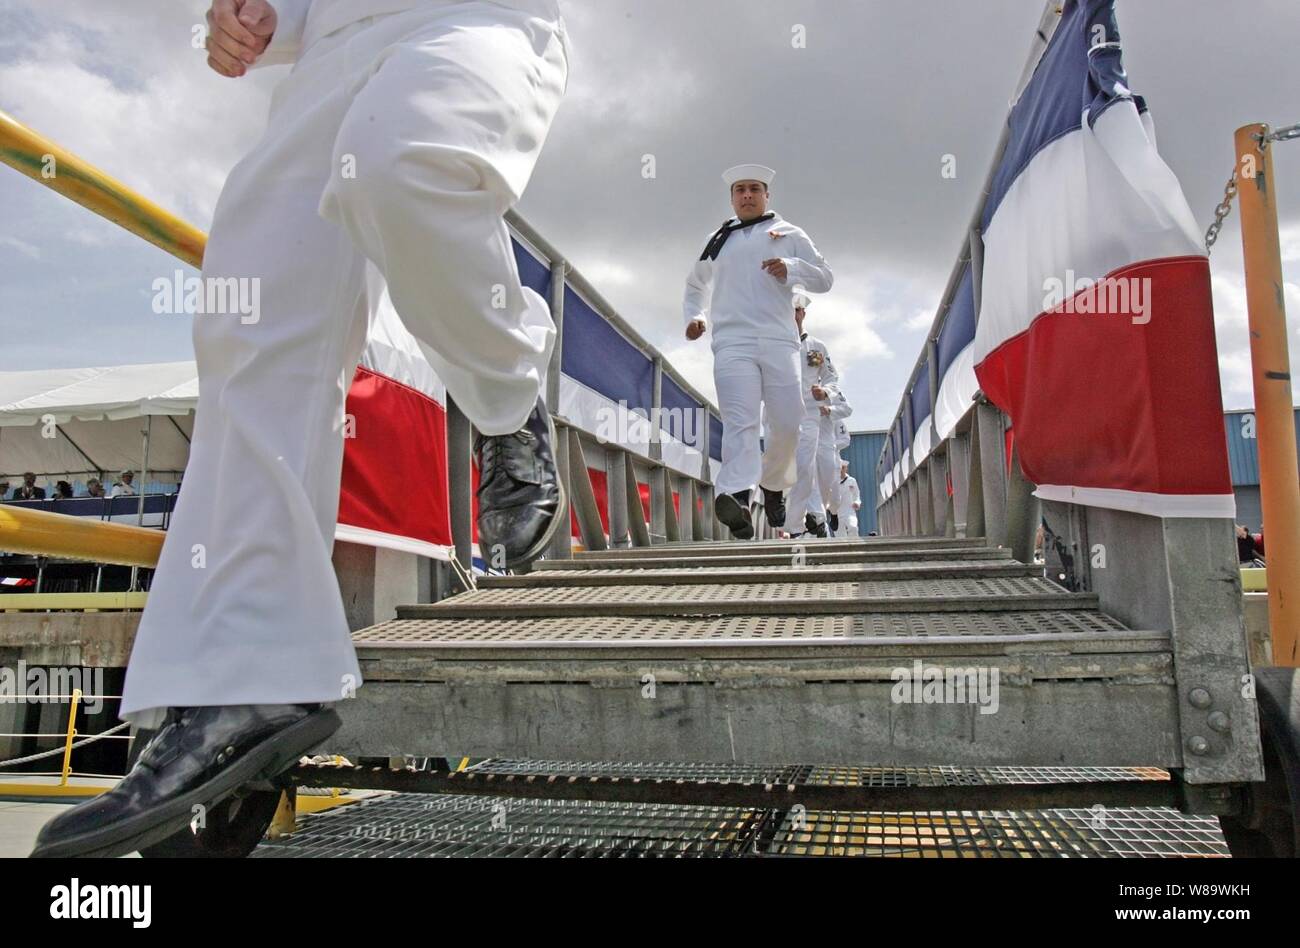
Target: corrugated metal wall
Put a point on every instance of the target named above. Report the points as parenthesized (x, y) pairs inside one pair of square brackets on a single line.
[(1243, 451), (862, 454)]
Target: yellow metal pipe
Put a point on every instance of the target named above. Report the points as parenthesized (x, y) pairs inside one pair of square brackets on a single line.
[(1279, 474), (72, 733), (41, 533), (46, 163), (73, 602), (37, 532)]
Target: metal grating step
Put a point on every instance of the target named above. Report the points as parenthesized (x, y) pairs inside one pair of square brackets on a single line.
[(635, 632), (822, 775), (965, 595), (672, 576), (761, 547), (662, 558), (412, 826)]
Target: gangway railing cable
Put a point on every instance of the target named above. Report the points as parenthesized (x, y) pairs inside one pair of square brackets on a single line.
[(1224, 208)]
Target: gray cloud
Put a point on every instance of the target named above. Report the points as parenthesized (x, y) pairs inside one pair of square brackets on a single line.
[(857, 125)]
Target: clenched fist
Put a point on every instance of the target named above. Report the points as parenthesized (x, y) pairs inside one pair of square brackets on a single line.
[(238, 32), (696, 329)]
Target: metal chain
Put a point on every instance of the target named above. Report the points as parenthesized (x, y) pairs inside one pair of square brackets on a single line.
[(60, 750), (1289, 133), (1284, 134), (1221, 213)]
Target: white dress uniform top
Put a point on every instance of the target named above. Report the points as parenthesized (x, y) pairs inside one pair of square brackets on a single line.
[(849, 500), (828, 451), (842, 437), (393, 148), (756, 347), (816, 368)]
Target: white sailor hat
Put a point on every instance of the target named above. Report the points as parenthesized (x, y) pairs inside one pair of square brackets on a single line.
[(748, 173), (801, 301)]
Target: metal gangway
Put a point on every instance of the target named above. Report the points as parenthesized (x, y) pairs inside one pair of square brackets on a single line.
[(934, 669)]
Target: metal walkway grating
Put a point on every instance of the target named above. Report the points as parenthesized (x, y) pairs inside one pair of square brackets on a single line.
[(420, 825), (810, 588), (774, 557), (630, 629), (817, 774), (413, 825)]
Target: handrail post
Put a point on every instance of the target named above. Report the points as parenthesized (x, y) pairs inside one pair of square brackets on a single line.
[(616, 462), (993, 471), (72, 733), (561, 546), (1279, 481), (460, 483), (660, 487)]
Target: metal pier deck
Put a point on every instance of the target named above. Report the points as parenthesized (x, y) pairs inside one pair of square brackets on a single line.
[(422, 825), (762, 654)]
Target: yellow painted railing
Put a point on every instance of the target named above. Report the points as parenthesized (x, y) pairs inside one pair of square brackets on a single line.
[(46, 163), (41, 533), (73, 602), (64, 788)]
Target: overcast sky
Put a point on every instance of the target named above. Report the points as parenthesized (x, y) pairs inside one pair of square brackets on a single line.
[(857, 125)]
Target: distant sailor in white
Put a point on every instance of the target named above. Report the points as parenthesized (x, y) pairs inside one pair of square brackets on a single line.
[(404, 132), (848, 502), (820, 388), (824, 505), (742, 289)]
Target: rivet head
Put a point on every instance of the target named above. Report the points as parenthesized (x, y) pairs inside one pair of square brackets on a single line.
[(1198, 746), (1200, 698), (1219, 721)]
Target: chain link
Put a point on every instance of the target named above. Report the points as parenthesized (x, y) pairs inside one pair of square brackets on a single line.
[(1221, 213), (1289, 133), (1284, 134)]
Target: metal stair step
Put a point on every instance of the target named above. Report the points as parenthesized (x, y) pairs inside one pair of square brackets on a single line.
[(778, 556), (760, 547), (893, 633), (762, 574), (807, 595)]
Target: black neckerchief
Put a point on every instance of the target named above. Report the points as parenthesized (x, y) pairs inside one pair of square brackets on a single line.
[(718, 240)]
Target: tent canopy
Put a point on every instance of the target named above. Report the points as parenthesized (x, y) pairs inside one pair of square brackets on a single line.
[(99, 413), (98, 394)]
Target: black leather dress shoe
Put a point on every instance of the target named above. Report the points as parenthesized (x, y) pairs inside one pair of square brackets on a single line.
[(735, 515), (774, 506), (198, 758), (520, 495), (815, 526)]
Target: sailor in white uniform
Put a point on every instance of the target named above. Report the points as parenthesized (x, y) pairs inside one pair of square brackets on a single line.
[(824, 505), (743, 286), (820, 386), (848, 503), (404, 132)]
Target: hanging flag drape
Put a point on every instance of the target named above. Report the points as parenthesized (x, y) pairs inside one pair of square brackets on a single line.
[(1096, 326)]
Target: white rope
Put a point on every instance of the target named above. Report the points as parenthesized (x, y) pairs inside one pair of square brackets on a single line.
[(60, 750)]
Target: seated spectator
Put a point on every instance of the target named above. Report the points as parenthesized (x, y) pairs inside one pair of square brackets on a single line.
[(94, 487), (29, 490), (62, 490), (1250, 547), (124, 488), (4, 490)]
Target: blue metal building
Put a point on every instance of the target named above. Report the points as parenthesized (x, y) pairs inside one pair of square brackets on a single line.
[(1243, 460), (862, 454)]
